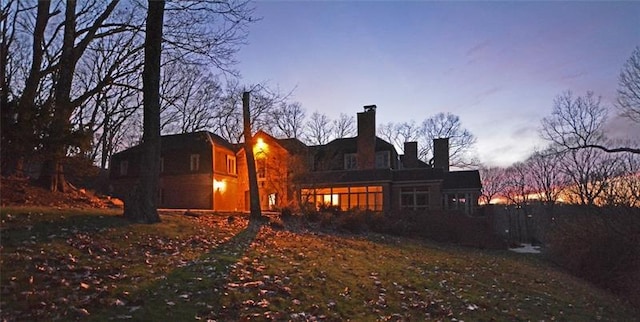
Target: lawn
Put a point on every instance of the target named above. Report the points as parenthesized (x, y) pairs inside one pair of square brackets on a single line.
[(94, 265)]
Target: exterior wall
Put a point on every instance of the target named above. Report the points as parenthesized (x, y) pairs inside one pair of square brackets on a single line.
[(441, 154), (435, 194), (463, 200), (275, 187), (225, 180), (186, 191), (366, 139), (210, 186)]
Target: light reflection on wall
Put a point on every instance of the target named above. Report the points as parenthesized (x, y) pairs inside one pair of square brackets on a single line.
[(219, 186)]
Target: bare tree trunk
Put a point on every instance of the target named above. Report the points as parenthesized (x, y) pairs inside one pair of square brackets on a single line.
[(24, 135), (52, 175), (254, 193), (141, 205)]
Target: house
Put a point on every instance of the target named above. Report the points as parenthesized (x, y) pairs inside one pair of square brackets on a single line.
[(203, 171), (197, 171), (277, 161), (366, 172)]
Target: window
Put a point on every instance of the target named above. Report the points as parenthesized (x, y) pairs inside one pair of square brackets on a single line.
[(124, 168), (261, 168), (195, 162), (273, 200), (231, 165), (363, 197), (414, 198), (350, 161), (382, 160)]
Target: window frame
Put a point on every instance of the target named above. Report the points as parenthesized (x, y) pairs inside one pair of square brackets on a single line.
[(350, 161), (194, 162)]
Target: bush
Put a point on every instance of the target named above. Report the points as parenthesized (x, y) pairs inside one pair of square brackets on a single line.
[(601, 246)]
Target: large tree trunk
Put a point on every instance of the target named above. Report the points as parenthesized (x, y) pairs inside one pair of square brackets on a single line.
[(254, 194), (141, 206), (55, 143), (24, 136)]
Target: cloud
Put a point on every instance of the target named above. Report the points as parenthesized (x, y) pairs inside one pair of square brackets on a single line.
[(622, 128), (478, 48)]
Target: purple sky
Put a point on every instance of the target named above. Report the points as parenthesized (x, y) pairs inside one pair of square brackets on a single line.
[(497, 65)]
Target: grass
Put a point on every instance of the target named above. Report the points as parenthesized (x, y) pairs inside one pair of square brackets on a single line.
[(94, 265)]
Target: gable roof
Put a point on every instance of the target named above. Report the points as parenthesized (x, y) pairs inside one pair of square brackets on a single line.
[(292, 145)]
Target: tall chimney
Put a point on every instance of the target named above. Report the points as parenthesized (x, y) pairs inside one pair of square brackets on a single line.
[(441, 154), (410, 158), (366, 140)]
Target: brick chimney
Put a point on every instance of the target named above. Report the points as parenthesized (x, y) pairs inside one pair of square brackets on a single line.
[(441, 154), (366, 140), (410, 158)]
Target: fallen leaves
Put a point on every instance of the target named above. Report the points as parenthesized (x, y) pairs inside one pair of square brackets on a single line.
[(223, 269)]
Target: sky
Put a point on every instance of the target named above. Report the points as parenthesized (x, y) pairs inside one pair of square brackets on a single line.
[(497, 65)]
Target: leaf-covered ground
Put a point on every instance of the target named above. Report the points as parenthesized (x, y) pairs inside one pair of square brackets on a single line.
[(94, 265)]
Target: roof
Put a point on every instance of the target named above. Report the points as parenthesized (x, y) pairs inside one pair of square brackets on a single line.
[(371, 175), (350, 145), (186, 140), (467, 179), (292, 145)]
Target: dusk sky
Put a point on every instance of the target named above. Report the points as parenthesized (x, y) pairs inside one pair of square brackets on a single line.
[(497, 65)]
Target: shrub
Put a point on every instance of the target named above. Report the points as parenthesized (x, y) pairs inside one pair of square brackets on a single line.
[(601, 246)]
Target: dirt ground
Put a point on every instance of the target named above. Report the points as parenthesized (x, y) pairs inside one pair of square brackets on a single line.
[(22, 192)]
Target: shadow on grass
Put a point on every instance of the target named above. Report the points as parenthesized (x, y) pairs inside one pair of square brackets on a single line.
[(190, 292), (19, 227)]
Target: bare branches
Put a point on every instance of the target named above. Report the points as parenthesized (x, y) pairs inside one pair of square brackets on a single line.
[(629, 87), (578, 123), (318, 129)]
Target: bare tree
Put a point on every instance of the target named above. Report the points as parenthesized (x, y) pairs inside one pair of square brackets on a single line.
[(461, 140), (545, 177), (318, 129), (188, 99), (344, 126), (493, 183), (578, 123), (387, 132), (288, 120), (141, 205), (228, 117), (623, 188), (589, 172), (629, 87), (254, 192), (518, 192)]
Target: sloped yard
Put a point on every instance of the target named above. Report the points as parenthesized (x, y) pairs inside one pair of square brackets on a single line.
[(94, 265)]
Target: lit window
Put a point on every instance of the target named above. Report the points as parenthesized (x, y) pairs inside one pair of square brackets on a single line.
[(382, 159), (124, 167), (231, 165), (195, 162), (363, 197), (350, 161)]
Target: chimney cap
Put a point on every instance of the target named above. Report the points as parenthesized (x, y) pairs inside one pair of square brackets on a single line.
[(368, 108)]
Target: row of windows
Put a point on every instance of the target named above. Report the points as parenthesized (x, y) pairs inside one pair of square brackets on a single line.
[(363, 197), (383, 160), (414, 198), (194, 164)]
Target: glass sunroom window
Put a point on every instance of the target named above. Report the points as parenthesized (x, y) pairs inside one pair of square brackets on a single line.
[(362, 197)]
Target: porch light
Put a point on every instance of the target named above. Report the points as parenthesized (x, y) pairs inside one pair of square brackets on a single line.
[(219, 186), (260, 146)]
